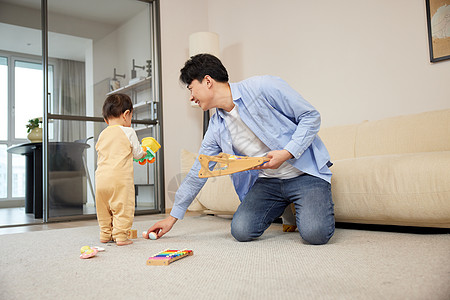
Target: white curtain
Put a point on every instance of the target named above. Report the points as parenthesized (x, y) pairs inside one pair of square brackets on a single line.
[(70, 99)]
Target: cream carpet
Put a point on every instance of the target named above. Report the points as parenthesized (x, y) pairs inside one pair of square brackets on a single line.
[(356, 264)]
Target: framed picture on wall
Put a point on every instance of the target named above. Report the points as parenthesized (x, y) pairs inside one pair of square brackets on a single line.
[(438, 20)]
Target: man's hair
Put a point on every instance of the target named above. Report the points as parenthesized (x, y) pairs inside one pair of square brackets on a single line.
[(200, 65), (115, 105)]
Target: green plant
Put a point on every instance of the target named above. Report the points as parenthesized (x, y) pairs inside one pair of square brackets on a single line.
[(33, 123)]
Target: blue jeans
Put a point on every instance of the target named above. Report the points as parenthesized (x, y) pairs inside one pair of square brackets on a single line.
[(268, 198)]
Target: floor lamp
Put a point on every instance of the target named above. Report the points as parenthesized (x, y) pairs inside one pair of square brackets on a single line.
[(204, 42)]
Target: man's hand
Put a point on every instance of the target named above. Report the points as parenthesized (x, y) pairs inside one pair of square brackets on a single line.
[(277, 158), (162, 227)]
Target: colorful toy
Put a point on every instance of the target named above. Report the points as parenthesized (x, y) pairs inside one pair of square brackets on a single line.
[(151, 146), (132, 234), (87, 252), (228, 164), (168, 256)]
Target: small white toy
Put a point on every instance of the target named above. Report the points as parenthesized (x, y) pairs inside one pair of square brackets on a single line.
[(151, 235)]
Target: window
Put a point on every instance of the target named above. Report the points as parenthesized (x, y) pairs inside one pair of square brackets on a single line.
[(28, 83), (21, 93), (3, 171), (3, 98), (3, 126), (18, 176)]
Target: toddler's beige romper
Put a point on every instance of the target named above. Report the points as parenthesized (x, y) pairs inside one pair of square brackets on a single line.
[(114, 181)]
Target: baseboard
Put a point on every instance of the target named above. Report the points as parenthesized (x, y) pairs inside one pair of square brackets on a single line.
[(393, 228)]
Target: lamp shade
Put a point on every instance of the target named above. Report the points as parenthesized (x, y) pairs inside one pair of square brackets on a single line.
[(204, 42)]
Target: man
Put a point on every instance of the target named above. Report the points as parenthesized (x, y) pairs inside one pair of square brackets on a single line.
[(260, 116)]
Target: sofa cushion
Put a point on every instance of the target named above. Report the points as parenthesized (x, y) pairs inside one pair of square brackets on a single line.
[(340, 141), (218, 193), (424, 132), (409, 189)]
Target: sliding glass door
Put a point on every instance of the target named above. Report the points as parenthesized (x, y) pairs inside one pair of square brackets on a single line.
[(86, 50), (21, 99), (105, 48)]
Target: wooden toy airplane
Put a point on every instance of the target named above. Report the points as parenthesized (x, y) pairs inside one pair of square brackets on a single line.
[(227, 164)]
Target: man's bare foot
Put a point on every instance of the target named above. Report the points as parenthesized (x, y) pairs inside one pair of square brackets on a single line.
[(105, 241), (124, 243)]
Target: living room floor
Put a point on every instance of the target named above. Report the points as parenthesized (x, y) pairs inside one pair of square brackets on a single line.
[(18, 216), (60, 225), (35, 224)]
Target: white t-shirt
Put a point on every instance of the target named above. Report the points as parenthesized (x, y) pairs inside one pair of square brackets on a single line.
[(246, 142), (135, 145)]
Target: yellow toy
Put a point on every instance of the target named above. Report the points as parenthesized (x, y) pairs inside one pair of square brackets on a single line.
[(227, 164), (151, 146)]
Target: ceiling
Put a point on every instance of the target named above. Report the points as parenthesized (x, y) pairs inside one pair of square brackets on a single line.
[(112, 12)]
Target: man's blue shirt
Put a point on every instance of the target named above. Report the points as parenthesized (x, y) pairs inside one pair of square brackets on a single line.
[(279, 117)]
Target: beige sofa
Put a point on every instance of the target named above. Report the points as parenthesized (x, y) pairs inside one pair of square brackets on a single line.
[(394, 171)]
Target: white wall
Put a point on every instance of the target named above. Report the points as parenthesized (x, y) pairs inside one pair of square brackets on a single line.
[(118, 48), (354, 60), (182, 123)]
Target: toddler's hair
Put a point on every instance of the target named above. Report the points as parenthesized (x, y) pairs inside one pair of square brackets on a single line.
[(115, 105)]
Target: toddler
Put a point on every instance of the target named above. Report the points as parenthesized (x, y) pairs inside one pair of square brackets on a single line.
[(116, 147)]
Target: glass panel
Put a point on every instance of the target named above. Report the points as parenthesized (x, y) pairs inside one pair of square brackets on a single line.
[(3, 171), (3, 98), (18, 176), (111, 56), (144, 176), (71, 168), (20, 41)]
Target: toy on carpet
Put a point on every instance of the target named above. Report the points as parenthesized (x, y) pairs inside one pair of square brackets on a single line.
[(289, 228), (151, 235), (151, 146), (168, 256), (228, 164), (88, 252), (132, 234)]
